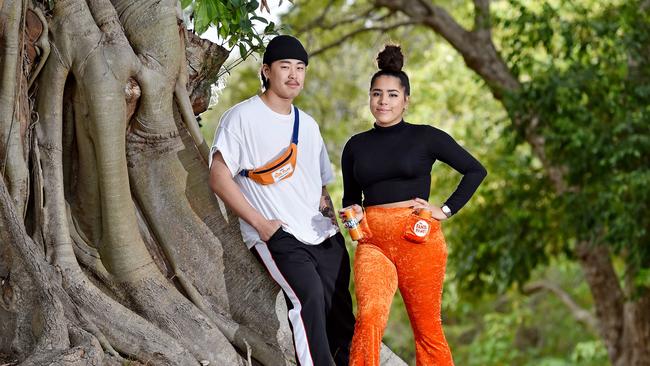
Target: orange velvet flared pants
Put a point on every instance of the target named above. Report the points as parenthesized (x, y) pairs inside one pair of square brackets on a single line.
[(385, 261)]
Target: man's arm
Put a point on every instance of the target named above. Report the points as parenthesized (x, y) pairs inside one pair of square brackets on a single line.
[(223, 184), (327, 207)]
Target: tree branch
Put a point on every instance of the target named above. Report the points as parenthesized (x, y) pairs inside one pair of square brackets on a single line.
[(580, 314), (356, 32), (360, 17), (481, 56), (318, 21), (644, 5), (478, 51), (482, 17)]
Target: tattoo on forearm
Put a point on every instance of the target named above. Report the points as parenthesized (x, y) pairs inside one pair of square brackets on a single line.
[(327, 208)]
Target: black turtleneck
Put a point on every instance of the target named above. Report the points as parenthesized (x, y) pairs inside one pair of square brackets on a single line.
[(392, 164)]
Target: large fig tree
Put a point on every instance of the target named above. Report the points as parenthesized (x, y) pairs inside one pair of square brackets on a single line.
[(112, 246)]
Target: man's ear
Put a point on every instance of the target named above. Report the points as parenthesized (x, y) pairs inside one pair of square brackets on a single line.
[(265, 70)]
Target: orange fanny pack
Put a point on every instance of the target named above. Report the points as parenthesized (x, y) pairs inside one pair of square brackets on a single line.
[(282, 167)]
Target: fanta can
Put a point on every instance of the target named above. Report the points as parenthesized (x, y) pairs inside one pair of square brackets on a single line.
[(351, 223)]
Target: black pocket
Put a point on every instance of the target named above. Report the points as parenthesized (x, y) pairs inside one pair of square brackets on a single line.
[(276, 235)]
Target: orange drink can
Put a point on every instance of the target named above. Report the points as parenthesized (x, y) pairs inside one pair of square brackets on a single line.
[(351, 223)]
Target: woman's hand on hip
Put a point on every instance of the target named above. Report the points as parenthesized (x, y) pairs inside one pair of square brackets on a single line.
[(436, 212), (358, 212)]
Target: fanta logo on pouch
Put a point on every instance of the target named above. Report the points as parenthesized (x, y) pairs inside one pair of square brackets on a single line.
[(421, 228), (282, 172)]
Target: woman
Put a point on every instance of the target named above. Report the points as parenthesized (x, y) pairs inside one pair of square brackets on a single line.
[(389, 165)]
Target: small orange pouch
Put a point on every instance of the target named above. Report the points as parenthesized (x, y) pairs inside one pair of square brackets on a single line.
[(418, 227), (282, 167)]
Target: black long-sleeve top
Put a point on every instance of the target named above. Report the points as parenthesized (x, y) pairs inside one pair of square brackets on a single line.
[(393, 164)]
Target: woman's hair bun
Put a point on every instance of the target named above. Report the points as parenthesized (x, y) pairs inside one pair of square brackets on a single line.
[(391, 58)]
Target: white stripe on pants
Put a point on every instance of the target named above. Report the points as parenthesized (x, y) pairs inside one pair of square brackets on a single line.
[(299, 334)]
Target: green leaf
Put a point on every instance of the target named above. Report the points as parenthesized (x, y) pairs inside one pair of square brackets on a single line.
[(212, 11), (246, 26), (201, 18), (260, 19), (251, 6), (242, 51), (185, 3), (224, 30), (269, 28)]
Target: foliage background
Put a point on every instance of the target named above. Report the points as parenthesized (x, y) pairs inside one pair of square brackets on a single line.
[(571, 57)]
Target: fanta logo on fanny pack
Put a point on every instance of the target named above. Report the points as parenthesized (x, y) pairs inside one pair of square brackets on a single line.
[(282, 172)]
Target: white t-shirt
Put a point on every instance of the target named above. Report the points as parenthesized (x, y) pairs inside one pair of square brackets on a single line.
[(251, 134)]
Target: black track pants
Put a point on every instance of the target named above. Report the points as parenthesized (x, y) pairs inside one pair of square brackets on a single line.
[(315, 280)]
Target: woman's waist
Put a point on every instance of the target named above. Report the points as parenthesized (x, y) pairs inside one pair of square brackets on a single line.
[(399, 204), (394, 214), (396, 190)]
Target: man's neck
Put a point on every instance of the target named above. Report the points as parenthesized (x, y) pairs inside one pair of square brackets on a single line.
[(276, 103)]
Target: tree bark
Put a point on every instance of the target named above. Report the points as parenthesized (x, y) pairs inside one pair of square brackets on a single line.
[(607, 293), (14, 116)]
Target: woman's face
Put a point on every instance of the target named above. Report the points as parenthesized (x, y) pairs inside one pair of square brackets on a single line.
[(387, 100)]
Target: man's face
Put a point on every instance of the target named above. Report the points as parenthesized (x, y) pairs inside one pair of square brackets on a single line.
[(286, 77)]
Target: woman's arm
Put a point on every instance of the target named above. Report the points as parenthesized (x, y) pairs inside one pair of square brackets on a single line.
[(351, 188), (447, 150)]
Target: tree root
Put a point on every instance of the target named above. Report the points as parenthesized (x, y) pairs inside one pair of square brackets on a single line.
[(183, 321), (185, 108), (141, 339), (53, 334), (13, 103), (85, 254), (170, 218), (42, 46), (84, 350)]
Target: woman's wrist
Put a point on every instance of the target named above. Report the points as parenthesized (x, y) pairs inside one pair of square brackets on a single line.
[(446, 210)]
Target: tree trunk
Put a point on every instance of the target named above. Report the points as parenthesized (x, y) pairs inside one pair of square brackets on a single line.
[(114, 247)]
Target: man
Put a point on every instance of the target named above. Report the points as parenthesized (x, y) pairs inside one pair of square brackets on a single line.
[(268, 163)]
